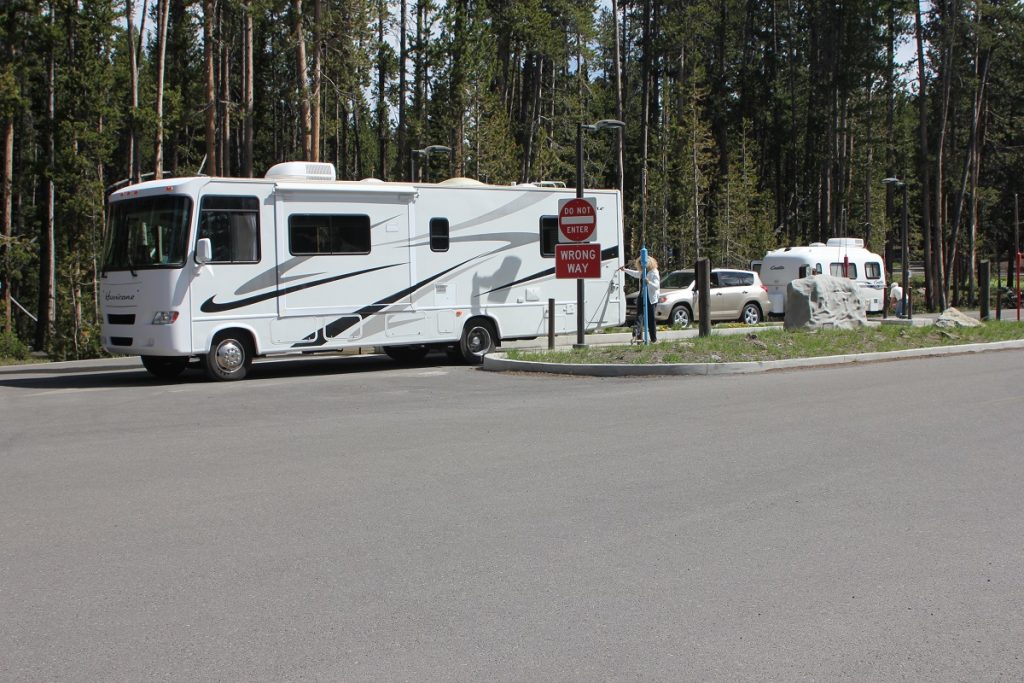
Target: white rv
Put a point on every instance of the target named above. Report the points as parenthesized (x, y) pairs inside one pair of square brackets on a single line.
[(839, 257), (229, 269)]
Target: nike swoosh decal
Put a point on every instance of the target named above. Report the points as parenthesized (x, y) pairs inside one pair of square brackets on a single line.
[(336, 327), (210, 306)]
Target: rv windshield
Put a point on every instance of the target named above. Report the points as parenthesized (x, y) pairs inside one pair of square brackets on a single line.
[(149, 232)]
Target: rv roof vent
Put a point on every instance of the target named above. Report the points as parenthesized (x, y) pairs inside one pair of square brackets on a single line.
[(816, 244), (301, 170), (549, 183), (372, 181), (461, 182), (846, 242)]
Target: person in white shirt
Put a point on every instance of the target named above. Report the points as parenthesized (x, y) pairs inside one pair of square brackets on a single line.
[(653, 290), (896, 298)]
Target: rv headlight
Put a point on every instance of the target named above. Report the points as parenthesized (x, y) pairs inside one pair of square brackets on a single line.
[(165, 317)]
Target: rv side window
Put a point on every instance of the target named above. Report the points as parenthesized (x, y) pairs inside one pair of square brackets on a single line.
[(873, 270), (232, 224), (310, 234), (548, 235), (439, 234), (837, 270)]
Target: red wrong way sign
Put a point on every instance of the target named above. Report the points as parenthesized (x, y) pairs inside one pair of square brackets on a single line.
[(577, 219), (576, 261)]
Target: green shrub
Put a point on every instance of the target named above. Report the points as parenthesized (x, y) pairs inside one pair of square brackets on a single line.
[(12, 347)]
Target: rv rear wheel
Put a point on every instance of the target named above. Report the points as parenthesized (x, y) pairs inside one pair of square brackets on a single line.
[(229, 358), (406, 354), (477, 341), (751, 314), (164, 367)]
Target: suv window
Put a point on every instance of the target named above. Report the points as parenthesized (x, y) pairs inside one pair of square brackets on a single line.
[(732, 278), (679, 279)]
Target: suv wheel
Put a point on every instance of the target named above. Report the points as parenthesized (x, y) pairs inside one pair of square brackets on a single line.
[(751, 314), (680, 316)]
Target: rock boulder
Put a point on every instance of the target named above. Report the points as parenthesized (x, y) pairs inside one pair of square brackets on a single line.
[(951, 317), (823, 301)]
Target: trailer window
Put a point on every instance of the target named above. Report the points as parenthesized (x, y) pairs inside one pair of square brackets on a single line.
[(311, 234), (873, 270), (548, 235), (232, 224), (439, 234), (836, 269)]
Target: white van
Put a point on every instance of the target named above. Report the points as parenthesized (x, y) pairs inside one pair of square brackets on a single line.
[(839, 257)]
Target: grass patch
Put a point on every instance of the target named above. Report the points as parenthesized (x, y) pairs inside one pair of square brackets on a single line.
[(779, 344)]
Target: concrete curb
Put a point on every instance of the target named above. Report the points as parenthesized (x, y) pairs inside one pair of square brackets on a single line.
[(497, 362)]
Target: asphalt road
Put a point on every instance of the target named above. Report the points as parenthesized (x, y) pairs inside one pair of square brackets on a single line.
[(346, 520)]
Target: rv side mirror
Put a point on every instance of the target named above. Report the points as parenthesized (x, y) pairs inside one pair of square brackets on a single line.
[(204, 251)]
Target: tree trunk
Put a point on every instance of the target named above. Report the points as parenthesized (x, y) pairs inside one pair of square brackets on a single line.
[(247, 135), (8, 215), (302, 79), (47, 267), (318, 51), (162, 10), (134, 170), (382, 109), (950, 11), (402, 165), (211, 89)]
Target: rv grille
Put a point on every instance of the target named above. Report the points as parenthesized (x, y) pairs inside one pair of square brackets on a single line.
[(121, 341), (121, 319)]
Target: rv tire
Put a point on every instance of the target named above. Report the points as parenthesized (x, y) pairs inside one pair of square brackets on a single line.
[(229, 357), (477, 340), (165, 367)]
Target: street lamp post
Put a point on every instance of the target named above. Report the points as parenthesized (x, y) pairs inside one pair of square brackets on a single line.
[(905, 248), (425, 152), (603, 124)]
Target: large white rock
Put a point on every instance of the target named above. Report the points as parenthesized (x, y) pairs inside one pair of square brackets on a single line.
[(823, 301), (952, 317)]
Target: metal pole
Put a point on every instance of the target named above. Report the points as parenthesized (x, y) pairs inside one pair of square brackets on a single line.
[(643, 296), (551, 324), (580, 317), (704, 295), (1016, 248), (906, 260), (984, 275)]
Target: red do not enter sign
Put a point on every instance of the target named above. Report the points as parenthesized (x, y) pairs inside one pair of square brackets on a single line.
[(577, 219)]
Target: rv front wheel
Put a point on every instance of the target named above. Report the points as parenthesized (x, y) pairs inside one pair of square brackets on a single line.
[(229, 357), (477, 341), (164, 367)]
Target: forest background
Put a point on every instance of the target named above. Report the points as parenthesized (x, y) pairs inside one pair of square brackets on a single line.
[(749, 124)]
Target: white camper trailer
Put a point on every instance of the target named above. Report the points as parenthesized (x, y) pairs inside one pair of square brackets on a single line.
[(839, 257), (228, 269)]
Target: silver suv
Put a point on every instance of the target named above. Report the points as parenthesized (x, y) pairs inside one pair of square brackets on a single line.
[(735, 295)]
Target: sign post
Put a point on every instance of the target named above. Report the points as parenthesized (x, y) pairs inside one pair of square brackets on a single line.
[(577, 223)]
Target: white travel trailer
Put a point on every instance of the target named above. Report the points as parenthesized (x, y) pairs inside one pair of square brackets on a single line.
[(227, 269), (840, 257)]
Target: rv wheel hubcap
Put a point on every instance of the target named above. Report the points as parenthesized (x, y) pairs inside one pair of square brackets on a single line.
[(230, 355), (479, 341)]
